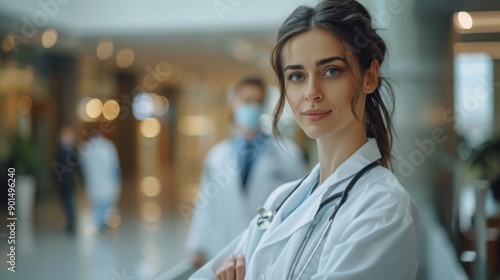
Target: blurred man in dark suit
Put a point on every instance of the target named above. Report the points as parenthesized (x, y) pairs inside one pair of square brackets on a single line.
[(68, 157)]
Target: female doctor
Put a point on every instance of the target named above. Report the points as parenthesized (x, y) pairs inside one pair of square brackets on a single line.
[(349, 218)]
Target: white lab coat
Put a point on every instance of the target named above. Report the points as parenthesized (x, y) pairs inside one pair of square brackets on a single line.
[(101, 170), (223, 209), (374, 235)]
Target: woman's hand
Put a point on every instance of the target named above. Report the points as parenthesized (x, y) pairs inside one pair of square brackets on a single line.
[(232, 269)]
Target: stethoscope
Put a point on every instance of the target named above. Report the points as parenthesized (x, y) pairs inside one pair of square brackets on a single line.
[(266, 217)]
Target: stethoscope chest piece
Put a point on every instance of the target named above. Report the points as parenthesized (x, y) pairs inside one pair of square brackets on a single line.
[(265, 220)]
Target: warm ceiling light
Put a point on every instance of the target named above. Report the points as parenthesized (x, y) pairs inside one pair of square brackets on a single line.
[(94, 108), (464, 20), (104, 49), (111, 109), (477, 22), (161, 104), (150, 128), (150, 186), (125, 58), (49, 38)]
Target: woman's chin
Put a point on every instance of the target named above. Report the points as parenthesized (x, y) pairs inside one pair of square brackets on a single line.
[(314, 134)]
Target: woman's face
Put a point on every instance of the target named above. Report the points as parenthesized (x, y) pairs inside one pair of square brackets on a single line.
[(320, 84)]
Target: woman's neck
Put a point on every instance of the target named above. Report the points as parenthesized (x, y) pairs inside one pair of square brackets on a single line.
[(336, 149)]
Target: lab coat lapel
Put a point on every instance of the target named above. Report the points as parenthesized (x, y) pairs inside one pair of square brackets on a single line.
[(281, 230), (365, 155)]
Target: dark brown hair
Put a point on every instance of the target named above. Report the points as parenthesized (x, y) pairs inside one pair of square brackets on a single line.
[(352, 24), (252, 81)]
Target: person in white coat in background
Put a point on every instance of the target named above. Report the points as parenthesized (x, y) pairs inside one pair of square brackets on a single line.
[(239, 173), (349, 218), (102, 176)]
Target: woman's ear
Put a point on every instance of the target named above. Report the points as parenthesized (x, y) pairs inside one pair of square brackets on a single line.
[(371, 77)]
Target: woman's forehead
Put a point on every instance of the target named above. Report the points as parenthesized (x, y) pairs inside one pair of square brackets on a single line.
[(314, 45)]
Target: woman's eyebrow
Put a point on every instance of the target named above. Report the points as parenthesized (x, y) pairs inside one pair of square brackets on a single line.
[(328, 60), (293, 67), (317, 63)]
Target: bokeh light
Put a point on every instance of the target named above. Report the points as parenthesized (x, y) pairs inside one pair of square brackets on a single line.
[(94, 108), (143, 106), (464, 20), (111, 110), (160, 104), (125, 58), (150, 186), (49, 38), (150, 128), (105, 48)]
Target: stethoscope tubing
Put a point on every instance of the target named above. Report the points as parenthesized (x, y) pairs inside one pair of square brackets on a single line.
[(304, 242), (325, 232)]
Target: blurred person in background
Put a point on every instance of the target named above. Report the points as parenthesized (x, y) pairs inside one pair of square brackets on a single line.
[(243, 170), (67, 156), (102, 176)]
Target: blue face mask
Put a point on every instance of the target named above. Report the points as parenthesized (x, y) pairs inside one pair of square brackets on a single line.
[(248, 116)]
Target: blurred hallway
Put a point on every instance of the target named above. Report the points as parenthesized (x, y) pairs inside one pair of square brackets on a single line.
[(154, 76), (137, 248)]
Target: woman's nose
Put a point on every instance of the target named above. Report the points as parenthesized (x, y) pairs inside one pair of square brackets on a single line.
[(313, 91)]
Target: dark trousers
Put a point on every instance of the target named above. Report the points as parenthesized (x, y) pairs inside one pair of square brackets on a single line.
[(68, 204)]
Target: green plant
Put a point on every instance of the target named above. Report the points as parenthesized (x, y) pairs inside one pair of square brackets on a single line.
[(24, 154), (486, 159)]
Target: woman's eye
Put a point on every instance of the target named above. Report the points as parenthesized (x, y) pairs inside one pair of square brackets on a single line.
[(295, 77), (332, 72)]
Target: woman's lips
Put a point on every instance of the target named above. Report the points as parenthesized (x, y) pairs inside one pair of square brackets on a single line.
[(316, 115)]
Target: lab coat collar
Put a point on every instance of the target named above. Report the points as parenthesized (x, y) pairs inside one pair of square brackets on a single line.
[(294, 198), (281, 230), (365, 155)]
